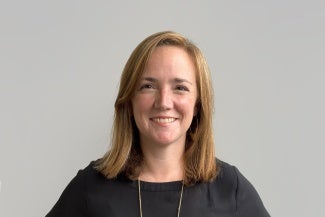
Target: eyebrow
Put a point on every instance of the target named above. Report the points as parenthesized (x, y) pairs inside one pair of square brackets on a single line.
[(176, 80), (181, 80), (150, 79)]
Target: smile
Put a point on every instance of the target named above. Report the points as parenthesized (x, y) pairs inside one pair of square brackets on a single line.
[(163, 120)]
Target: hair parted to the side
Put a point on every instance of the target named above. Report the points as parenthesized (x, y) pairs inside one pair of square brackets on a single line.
[(125, 155)]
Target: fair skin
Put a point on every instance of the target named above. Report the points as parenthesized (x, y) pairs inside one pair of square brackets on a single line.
[(163, 108)]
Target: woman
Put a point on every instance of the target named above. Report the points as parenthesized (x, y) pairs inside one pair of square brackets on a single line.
[(162, 160)]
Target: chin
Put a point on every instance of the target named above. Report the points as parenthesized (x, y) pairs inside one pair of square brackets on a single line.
[(167, 140)]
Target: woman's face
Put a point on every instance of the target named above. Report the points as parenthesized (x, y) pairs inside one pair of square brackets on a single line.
[(164, 102)]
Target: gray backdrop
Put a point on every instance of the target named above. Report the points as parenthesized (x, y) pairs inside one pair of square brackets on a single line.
[(60, 63)]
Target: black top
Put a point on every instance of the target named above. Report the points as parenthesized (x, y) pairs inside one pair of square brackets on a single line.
[(90, 194)]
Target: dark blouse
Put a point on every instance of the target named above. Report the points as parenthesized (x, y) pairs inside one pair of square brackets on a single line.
[(90, 194)]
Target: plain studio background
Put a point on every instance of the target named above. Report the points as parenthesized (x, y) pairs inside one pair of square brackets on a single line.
[(60, 64)]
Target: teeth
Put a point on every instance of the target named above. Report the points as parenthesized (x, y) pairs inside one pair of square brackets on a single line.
[(164, 120)]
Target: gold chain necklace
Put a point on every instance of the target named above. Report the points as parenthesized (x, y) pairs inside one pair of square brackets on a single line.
[(179, 204)]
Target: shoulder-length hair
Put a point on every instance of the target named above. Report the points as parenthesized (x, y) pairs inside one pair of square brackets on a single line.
[(125, 155)]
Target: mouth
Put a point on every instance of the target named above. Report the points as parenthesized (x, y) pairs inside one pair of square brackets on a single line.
[(163, 120)]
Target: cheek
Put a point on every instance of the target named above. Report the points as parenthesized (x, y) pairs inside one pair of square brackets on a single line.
[(186, 106), (140, 103)]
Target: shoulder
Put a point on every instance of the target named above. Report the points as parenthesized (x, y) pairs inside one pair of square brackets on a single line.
[(226, 171), (81, 180), (85, 176), (231, 177), (227, 176), (89, 172), (90, 177), (73, 200), (235, 185)]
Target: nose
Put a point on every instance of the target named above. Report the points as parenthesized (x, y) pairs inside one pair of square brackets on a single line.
[(163, 99)]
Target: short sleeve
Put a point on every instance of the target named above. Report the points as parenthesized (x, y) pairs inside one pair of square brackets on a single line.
[(248, 202), (72, 202)]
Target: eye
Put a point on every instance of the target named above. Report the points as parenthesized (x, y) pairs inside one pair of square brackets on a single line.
[(146, 86), (182, 88)]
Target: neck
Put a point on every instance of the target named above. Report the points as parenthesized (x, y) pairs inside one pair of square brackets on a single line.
[(163, 165)]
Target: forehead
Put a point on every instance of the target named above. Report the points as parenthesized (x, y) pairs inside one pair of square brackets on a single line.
[(170, 61)]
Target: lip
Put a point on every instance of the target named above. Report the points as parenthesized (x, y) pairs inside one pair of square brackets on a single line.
[(163, 119)]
